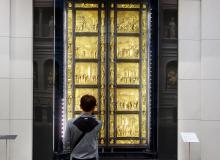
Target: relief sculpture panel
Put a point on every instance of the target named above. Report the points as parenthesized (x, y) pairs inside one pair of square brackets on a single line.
[(127, 73), (127, 99), (128, 22), (86, 73), (86, 47), (128, 47), (127, 125), (86, 21)]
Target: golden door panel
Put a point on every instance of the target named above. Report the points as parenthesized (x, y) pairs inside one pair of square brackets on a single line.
[(128, 73), (127, 125), (128, 22), (86, 73), (79, 92), (86, 47), (86, 21), (128, 47), (125, 116), (127, 99)]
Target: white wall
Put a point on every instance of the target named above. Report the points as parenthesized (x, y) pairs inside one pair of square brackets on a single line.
[(16, 77), (199, 77)]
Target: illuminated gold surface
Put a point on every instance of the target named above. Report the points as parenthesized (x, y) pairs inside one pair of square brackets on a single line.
[(128, 21), (144, 76), (69, 64), (128, 5), (127, 99), (102, 134), (111, 69), (127, 125), (128, 47), (79, 92), (86, 47), (70, 4), (86, 5), (127, 73), (111, 126), (144, 125), (86, 73), (103, 69), (127, 141), (86, 21)]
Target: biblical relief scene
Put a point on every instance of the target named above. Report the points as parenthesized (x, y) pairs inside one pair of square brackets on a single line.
[(128, 22), (86, 73), (86, 47), (128, 47), (127, 99), (86, 21), (127, 73), (127, 125)]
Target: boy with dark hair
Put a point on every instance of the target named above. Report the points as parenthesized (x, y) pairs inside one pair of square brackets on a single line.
[(81, 133)]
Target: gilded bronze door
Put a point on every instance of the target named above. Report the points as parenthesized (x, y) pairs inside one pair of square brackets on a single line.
[(107, 55)]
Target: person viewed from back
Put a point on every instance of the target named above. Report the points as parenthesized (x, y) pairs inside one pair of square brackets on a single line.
[(81, 133)]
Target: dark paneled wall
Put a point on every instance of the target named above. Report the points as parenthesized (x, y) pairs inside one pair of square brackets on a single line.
[(43, 79), (168, 60)]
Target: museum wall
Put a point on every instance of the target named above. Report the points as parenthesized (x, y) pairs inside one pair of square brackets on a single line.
[(16, 77), (199, 77)]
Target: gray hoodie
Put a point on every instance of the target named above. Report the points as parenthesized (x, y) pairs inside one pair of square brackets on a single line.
[(87, 147)]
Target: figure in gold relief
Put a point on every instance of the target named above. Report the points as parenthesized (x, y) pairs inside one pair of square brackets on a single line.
[(128, 48), (86, 73), (128, 22), (127, 73), (86, 47), (127, 125), (86, 21)]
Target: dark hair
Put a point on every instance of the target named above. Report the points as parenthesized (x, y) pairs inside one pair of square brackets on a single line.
[(87, 103)]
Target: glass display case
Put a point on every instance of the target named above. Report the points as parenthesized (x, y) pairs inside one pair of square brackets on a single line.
[(107, 55)]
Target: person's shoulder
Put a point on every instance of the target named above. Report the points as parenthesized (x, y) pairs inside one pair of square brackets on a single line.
[(97, 120), (70, 122)]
